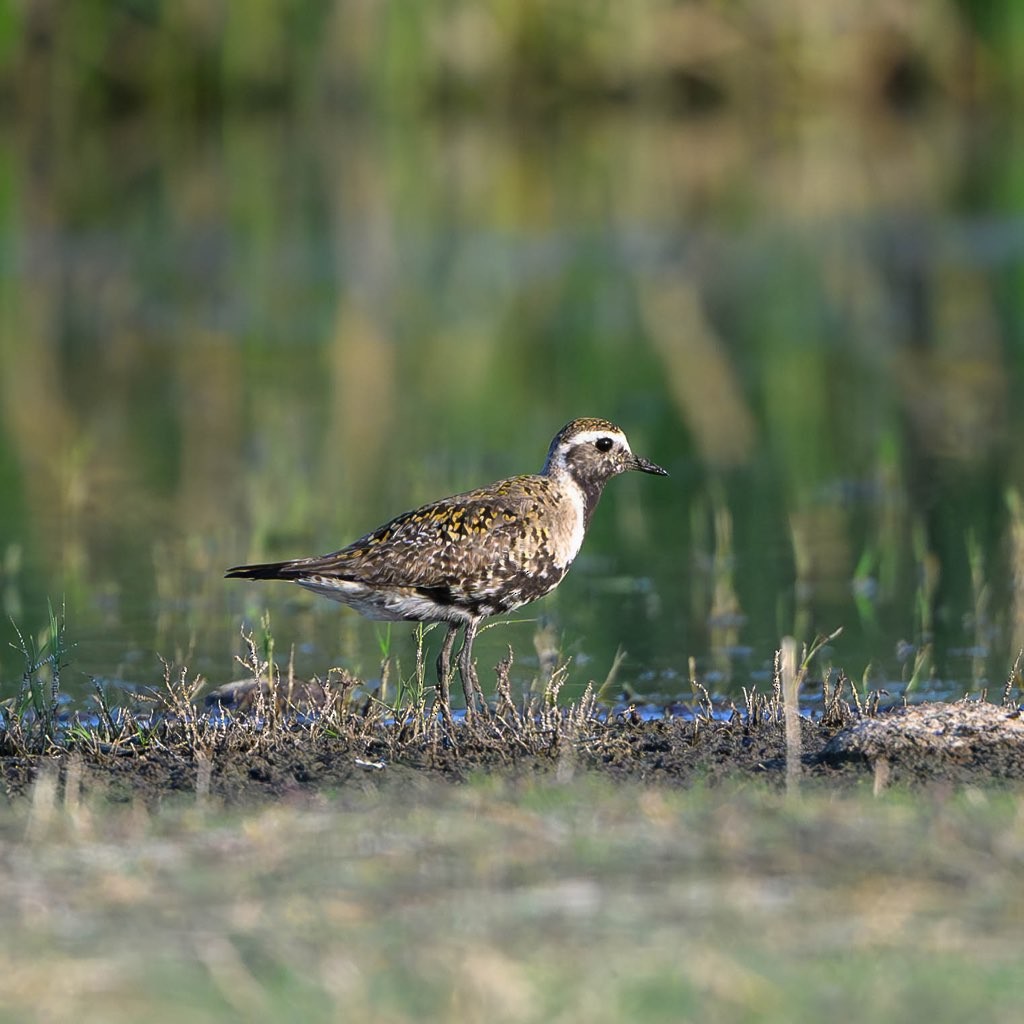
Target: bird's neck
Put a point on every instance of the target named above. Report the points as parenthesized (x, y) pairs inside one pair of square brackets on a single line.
[(587, 489)]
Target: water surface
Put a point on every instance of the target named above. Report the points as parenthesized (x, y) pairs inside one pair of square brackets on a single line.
[(260, 340)]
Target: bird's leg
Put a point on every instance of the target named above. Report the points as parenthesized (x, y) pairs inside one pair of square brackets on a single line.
[(470, 684), (444, 671)]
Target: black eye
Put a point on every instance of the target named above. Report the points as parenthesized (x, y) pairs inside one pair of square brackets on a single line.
[(604, 444)]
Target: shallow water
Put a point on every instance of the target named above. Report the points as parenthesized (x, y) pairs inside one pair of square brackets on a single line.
[(262, 341)]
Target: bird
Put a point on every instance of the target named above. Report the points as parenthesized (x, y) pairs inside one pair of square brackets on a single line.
[(484, 552)]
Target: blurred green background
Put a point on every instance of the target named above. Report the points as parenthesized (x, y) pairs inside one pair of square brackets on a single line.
[(272, 273)]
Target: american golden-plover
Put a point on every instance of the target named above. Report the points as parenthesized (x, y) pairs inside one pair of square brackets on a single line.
[(481, 553)]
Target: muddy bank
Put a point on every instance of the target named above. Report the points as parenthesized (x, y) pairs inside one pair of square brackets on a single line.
[(962, 743)]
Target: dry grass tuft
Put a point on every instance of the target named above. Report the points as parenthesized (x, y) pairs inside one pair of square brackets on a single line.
[(272, 734)]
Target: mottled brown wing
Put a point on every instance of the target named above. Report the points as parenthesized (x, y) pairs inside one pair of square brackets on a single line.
[(458, 539)]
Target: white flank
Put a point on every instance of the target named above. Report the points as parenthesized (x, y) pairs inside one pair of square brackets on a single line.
[(387, 604), (573, 541)]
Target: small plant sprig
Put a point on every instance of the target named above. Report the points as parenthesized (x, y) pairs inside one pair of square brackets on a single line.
[(45, 655), (409, 706)]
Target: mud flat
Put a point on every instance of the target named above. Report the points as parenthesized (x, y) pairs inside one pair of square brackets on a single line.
[(965, 742)]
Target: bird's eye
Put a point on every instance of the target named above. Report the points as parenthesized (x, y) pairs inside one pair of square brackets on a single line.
[(604, 444)]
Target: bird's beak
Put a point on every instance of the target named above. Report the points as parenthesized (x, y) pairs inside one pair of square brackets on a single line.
[(646, 466)]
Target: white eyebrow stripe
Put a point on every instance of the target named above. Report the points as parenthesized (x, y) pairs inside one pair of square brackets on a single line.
[(585, 436)]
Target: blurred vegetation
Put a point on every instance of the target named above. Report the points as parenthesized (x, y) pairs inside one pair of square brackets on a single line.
[(92, 59), (272, 273), (534, 901)]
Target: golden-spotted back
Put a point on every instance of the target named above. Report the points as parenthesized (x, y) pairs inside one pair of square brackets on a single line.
[(475, 554)]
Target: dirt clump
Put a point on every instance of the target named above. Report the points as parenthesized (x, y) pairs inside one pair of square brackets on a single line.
[(958, 741)]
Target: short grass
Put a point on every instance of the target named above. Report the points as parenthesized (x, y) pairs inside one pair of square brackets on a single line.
[(517, 901)]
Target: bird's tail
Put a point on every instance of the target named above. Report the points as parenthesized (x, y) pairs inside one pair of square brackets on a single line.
[(263, 571)]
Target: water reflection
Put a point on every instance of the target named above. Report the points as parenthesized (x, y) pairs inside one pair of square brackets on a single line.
[(260, 341)]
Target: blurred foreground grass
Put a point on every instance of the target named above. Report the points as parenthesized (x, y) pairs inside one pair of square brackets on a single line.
[(526, 901)]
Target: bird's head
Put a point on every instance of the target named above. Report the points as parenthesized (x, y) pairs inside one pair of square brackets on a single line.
[(591, 452)]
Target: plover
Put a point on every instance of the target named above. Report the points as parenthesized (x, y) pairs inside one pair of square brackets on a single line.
[(473, 555)]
